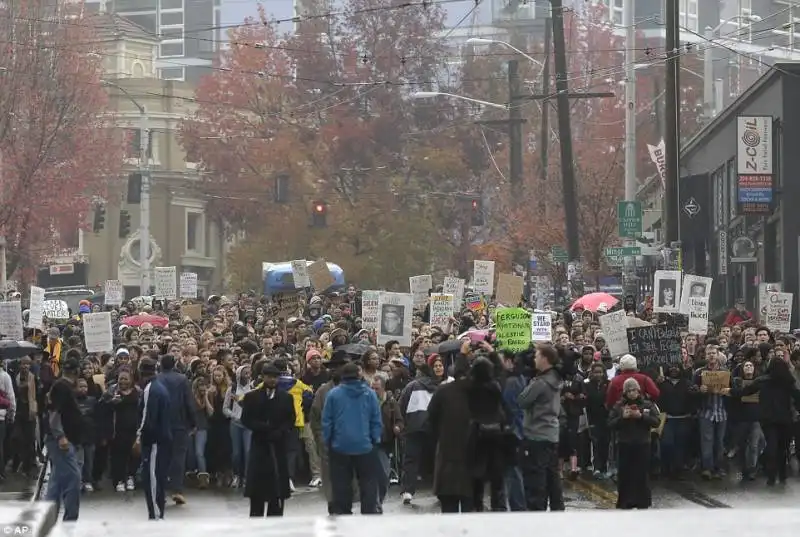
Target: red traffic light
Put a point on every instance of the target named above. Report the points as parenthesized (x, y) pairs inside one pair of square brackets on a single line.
[(474, 204), (319, 207)]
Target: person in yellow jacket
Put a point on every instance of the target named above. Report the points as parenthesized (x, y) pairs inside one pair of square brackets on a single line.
[(303, 396), (54, 348)]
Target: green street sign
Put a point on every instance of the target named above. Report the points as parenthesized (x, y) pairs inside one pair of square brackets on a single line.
[(623, 251), (629, 216), (615, 261), (559, 254)]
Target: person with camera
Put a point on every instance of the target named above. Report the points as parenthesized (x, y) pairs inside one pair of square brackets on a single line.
[(540, 402)]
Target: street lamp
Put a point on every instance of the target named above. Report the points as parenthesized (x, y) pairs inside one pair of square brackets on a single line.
[(708, 60), (144, 202), (484, 41), (432, 94)]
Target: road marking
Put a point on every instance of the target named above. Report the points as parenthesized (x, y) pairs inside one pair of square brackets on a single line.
[(604, 498)]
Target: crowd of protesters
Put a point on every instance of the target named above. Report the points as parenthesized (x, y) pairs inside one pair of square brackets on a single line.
[(239, 399)]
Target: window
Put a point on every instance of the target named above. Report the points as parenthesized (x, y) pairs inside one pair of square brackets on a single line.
[(147, 21), (171, 49), (171, 4), (173, 73), (688, 15), (614, 10), (172, 34), (172, 18), (194, 232)]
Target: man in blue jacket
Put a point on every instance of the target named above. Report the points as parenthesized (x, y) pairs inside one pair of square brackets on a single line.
[(182, 422), (154, 438), (351, 428)]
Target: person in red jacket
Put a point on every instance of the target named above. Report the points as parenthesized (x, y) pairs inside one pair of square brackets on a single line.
[(627, 369), (738, 314)]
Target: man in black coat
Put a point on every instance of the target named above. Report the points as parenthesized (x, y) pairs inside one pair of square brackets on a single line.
[(269, 414)]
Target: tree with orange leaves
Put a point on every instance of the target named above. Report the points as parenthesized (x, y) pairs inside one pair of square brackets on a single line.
[(57, 149)]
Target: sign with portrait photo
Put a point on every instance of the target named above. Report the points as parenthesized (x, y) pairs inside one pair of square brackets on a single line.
[(396, 311), (667, 291), (694, 287)]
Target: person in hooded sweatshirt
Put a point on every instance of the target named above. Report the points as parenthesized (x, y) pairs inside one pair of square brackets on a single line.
[(352, 430), (414, 401), (540, 402), (240, 435), (303, 397)]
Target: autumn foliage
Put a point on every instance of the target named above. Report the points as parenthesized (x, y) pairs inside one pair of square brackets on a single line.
[(56, 150), (330, 109)]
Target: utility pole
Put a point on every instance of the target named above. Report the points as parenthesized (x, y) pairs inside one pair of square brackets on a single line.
[(544, 135), (708, 75), (144, 204), (514, 128), (631, 181), (671, 214), (565, 132)]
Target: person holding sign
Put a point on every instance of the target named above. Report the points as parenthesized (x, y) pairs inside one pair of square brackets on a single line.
[(713, 382)]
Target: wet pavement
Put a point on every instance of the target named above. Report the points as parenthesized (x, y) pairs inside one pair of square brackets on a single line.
[(582, 495)]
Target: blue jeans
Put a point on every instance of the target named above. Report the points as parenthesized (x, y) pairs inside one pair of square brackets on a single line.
[(674, 440), (515, 489), (200, 440), (383, 479), (64, 486), (240, 446), (86, 462), (750, 443), (712, 448)]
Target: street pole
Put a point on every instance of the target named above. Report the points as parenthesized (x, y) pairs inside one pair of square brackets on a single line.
[(544, 135), (708, 75), (631, 181), (144, 206), (670, 215), (630, 102), (515, 128), (3, 266)]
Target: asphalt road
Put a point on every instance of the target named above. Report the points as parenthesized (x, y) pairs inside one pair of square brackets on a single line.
[(583, 494)]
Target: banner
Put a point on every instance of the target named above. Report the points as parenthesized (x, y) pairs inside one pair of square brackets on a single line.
[(658, 156), (513, 329)]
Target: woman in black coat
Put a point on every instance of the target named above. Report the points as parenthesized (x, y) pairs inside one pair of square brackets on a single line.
[(269, 414), (632, 418)]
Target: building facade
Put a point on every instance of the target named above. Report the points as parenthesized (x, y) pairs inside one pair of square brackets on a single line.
[(710, 160), (188, 32), (181, 234)]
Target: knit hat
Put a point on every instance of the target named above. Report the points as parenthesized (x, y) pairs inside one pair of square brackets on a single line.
[(312, 353), (627, 362), (433, 358), (630, 384)]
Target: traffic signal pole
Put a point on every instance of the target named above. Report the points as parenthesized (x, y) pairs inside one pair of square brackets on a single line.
[(144, 205)]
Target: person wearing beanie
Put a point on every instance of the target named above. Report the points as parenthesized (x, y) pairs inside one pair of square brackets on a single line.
[(628, 369), (632, 418), (154, 438), (352, 429)]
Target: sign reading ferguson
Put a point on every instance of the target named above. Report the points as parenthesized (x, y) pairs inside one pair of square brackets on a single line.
[(513, 328)]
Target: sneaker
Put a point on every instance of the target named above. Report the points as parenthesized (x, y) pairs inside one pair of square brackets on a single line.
[(315, 483), (235, 482), (120, 487), (179, 499), (407, 497), (394, 481), (87, 487), (291, 486), (130, 485), (202, 480), (706, 475)]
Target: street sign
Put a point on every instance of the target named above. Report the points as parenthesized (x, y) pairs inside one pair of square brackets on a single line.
[(629, 216), (559, 254), (623, 251)]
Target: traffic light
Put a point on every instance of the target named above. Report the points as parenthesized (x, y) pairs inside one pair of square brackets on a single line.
[(99, 218), (477, 212), (124, 224), (319, 216)]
